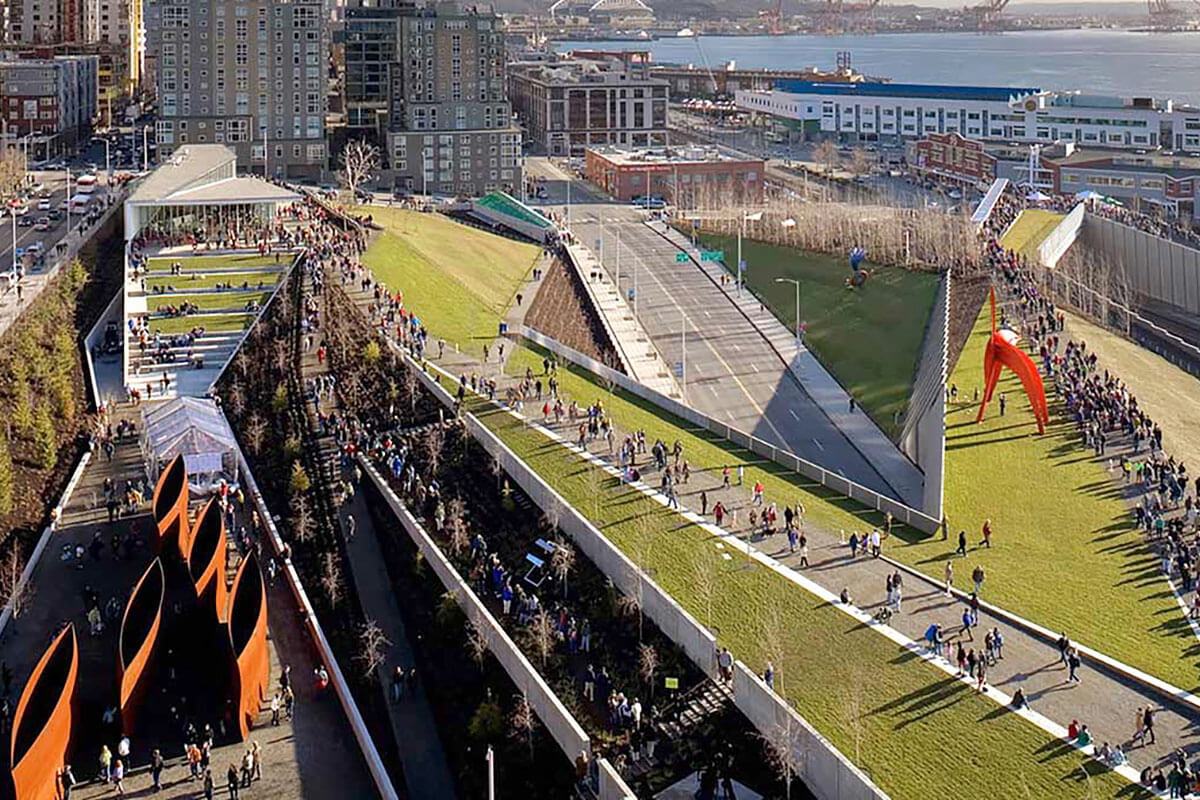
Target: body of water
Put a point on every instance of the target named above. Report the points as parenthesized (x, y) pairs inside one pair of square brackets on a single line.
[(1125, 63)]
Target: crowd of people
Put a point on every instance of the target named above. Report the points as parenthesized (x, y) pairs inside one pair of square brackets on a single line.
[(1163, 227)]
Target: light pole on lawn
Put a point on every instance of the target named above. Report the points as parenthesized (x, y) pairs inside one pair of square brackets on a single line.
[(797, 285)]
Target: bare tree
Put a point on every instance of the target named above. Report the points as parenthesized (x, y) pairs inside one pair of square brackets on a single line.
[(860, 162), (255, 431), (648, 666), (826, 154), (773, 642), (562, 561), (303, 524), (359, 160), (432, 443), (523, 721), (12, 591), (783, 747), (541, 629), (704, 579), (331, 578), (410, 388), (476, 644), (372, 647), (456, 522), (237, 398)]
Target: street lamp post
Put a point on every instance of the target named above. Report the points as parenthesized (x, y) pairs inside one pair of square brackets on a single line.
[(797, 284)]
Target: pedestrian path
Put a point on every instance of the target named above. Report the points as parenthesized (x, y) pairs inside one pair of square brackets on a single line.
[(426, 772), (829, 395)]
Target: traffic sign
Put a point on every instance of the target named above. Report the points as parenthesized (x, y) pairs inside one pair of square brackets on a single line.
[(681, 257), (678, 369), (671, 683), (712, 255)]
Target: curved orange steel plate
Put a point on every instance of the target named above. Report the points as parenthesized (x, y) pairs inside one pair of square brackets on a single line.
[(41, 730), (171, 508), (248, 639), (138, 636), (206, 561), (1003, 350)]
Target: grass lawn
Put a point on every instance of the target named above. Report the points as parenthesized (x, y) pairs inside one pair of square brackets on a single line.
[(234, 261), (459, 278), (1030, 229), (185, 283), (1065, 554), (209, 302), (703, 450), (917, 732), (211, 323), (870, 339)]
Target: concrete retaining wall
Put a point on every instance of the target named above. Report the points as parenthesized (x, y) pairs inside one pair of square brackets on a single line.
[(810, 756), (832, 480), (568, 733), (1158, 269), (923, 437), (1056, 244)]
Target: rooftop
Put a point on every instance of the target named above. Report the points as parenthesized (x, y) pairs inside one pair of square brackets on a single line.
[(676, 155), (1001, 94), (1179, 168), (205, 173)]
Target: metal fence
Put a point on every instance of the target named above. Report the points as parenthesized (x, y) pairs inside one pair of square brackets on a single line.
[(831, 480)]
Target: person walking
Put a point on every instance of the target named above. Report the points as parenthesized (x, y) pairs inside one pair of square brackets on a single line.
[(156, 768), (1064, 644), (208, 785), (949, 576), (105, 763), (118, 777), (703, 503), (803, 549), (1073, 665), (962, 544), (1148, 724), (967, 623), (231, 781), (981, 675), (987, 534), (1139, 726), (977, 577)]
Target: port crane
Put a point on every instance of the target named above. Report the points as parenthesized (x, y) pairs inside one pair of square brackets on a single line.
[(1165, 13), (841, 16), (988, 12), (774, 18)]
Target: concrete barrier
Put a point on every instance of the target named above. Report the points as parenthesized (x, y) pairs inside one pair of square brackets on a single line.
[(612, 786), (807, 754), (1059, 240), (843, 486), (44, 539), (96, 336), (565, 730), (1157, 268), (379, 774)]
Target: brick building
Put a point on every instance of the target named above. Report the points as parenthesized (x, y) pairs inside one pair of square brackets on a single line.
[(686, 177), (53, 99)]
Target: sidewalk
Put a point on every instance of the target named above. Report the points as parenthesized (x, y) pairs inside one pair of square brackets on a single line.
[(857, 426)]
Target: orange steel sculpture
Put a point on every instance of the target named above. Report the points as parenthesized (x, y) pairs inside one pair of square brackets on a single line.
[(248, 640), (41, 730), (1003, 351), (139, 635), (206, 562), (171, 509)]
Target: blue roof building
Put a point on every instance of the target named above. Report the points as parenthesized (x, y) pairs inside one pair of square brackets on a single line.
[(929, 91)]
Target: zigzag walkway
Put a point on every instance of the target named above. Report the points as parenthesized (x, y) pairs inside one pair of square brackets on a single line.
[(426, 772), (1103, 700)]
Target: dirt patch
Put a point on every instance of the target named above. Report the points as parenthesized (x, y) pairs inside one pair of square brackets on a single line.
[(563, 312)]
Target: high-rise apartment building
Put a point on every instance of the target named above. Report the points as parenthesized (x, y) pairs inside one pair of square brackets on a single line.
[(251, 74), (436, 73), (50, 99)]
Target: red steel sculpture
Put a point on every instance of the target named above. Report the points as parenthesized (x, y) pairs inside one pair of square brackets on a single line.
[(248, 640), (41, 729), (206, 562), (1003, 350), (139, 635), (171, 509)]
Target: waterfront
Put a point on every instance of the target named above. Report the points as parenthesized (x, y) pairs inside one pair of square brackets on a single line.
[(1103, 62)]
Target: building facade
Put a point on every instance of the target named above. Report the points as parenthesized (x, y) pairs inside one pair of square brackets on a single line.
[(689, 177), (573, 103), (53, 100), (1151, 184), (886, 112), (250, 74), (450, 125)]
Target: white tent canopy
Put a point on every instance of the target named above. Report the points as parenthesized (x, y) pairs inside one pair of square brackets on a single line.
[(194, 428)]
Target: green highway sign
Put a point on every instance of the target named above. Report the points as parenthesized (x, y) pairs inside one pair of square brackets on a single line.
[(681, 258), (712, 255)]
